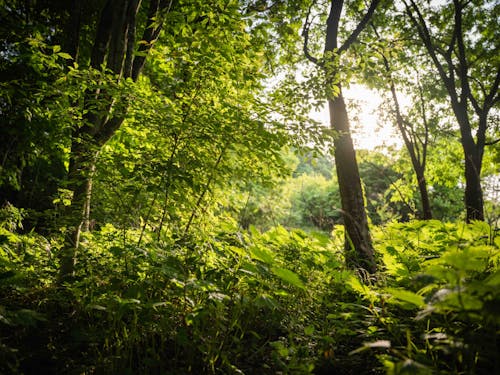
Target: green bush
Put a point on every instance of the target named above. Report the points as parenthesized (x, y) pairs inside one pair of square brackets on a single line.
[(228, 301)]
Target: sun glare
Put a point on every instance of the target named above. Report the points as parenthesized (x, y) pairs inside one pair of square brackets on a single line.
[(367, 129)]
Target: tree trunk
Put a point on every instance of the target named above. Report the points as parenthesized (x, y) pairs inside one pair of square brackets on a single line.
[(80, 177), (473, 191), (418, 160), (424, 194), (456, 79), (473, 156), (359, 248), (358, 245), (73, 29)]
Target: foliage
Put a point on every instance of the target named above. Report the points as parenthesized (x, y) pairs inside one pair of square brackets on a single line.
[(220, 301), (314, 203), (380, 174), (31, 122), (444, 275), (306, 199), (216, 244), (233, 301)]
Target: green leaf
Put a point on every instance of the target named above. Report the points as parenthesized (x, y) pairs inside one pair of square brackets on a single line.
[(97, 307), (262, 254), (288, 276), (265, 300), (468, 259), (406, 296), (65, 55), (383, 344), (309, 330), (493, 280), (236, 250)]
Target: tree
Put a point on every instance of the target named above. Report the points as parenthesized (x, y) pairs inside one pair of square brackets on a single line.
[(116, 50), (196, 126), (416, 142), (465, 54), (357, 232)]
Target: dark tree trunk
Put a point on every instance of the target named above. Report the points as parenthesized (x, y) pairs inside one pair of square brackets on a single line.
[(81, 171), (473, 156), (73, 27), (359, 249), (473, 190), (424, 194)]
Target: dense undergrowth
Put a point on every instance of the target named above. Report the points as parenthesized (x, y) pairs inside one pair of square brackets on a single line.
[(244, 302)]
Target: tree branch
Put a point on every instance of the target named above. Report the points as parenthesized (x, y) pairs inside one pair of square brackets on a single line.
[(426, 37), (150, 34), (473, 100), (465, 91), (493, 95), (305, 35), (491, 143), (361, 25)]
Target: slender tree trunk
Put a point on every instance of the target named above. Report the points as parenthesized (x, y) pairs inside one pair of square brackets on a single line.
[(359, 248), (473, 190), (418, 160), (473, 156), (81, 172), (424, 194), (417, 163)]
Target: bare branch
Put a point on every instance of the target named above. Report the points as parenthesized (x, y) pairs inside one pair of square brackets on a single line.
[(492, 142), (493, 96), (361, 25), (305, 35), (465, 91), (422, 29)]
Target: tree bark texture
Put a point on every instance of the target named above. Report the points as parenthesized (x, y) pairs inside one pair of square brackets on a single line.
[(359, 248), (473, 156), (474, 203)]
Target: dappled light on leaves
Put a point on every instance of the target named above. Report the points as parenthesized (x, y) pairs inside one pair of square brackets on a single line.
[(171, 202)]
